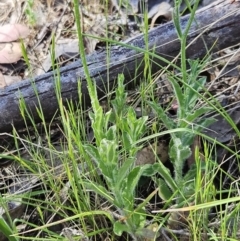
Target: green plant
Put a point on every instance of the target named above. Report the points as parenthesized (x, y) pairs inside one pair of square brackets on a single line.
[(30, 14), (8, 228), (114, 155), (186, 91), (187, 118), (117, 132)]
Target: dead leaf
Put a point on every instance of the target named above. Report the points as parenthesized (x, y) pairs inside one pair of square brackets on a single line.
[(6, 80), (162, 9), (10, 52), (13, 32), (151, 153), (64, 47), (221, 130)]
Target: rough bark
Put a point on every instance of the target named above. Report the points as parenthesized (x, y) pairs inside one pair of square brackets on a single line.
[(215, 27)]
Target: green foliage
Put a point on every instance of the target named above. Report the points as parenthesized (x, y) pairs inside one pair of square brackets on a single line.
[(112, 141), (7, 230), (189, 117), (31, 15), (186, 91)]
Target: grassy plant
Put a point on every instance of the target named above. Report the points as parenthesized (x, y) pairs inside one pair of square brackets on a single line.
[(187, 117), (7, 230), (186, 91), (114, 155), (29, 12)]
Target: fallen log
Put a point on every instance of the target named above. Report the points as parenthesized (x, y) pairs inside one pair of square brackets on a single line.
[(218, 25)]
